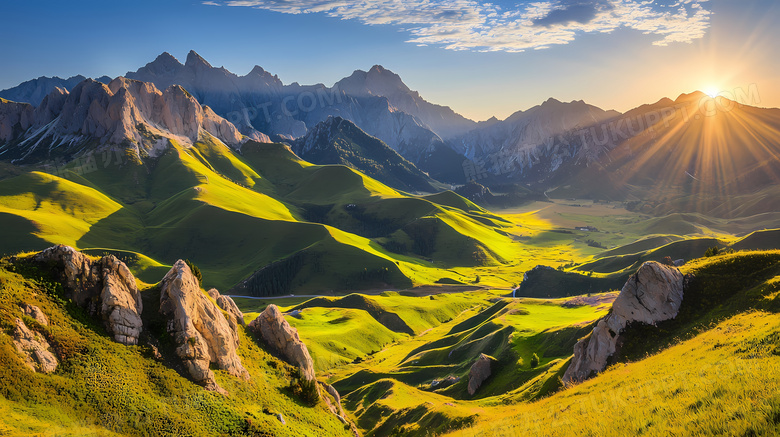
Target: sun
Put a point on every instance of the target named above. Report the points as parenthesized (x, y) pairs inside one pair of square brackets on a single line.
[(711, 91)]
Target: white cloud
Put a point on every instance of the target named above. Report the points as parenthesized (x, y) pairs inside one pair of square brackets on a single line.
[(479, 26)]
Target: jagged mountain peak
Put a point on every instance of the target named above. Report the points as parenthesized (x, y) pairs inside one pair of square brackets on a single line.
[(128, 113), (163, 65), (339, 141), (377, 81), (166, 58), (194, 60), (696, 95)]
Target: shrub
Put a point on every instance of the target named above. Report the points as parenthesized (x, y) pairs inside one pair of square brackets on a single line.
[(534, 360), (306, 390), (195, 271), (712, 251)]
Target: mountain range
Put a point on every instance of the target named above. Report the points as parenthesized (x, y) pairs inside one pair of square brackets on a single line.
[(549, 148)]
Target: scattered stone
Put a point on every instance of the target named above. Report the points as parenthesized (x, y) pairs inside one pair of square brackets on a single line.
[(282, 337), (34, 348), (281, 418), (479, 372), (34, 312), (200, 330), (444, 383), (652, 295), (679, 262)]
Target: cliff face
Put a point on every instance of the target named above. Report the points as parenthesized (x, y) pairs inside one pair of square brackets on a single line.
[(652, 295), (128, 113)]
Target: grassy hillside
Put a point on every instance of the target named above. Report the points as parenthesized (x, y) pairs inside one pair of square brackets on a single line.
[(103, 388), (711, 371), (253, 218)]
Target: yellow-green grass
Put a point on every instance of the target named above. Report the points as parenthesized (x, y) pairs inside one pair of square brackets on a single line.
[(195, 202), (218, 191), (388, 407), (722, 382), (21, 420), (729, 318), (59, 210), (336, 336), (191, 202)]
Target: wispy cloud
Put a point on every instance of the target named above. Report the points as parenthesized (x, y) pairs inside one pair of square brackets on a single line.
[(481, 26)]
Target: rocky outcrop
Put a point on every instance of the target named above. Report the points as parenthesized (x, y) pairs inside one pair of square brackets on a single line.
[(34, 348), (228, 305), (279, 335), (126, 113), (105, 288), (35, 90), (200, 330), (479, 372), (15, 118), (652, 295), (35, 313)]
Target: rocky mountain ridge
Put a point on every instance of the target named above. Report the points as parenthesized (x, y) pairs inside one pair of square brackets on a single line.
[(35, 90), (339, 141), (127, 113), (260, 102)]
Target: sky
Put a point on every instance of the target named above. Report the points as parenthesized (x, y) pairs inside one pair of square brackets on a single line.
[(482, 59)]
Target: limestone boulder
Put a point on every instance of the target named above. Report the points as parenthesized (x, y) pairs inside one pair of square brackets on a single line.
[(228, 305), (479, 372), (35, 313), (200, 330), (652, 295), (272, 327)]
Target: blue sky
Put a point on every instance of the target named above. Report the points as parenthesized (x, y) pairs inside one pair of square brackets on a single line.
[(480, 58)]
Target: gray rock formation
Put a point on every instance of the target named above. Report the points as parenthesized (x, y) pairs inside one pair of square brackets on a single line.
[(379, 81), (652, 295), (34, 312), (479, 372), (282, 337), (15, 118), (377, 101), (228, 305), (34, 348), (127, 113), (35, 90), (200, 330), (105, 287)]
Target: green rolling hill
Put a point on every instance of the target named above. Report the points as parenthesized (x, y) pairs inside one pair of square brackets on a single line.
[(261, 220)]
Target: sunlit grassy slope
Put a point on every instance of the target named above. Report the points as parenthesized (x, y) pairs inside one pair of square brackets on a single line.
[(711, 371), (264, 222), (235, 213)]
